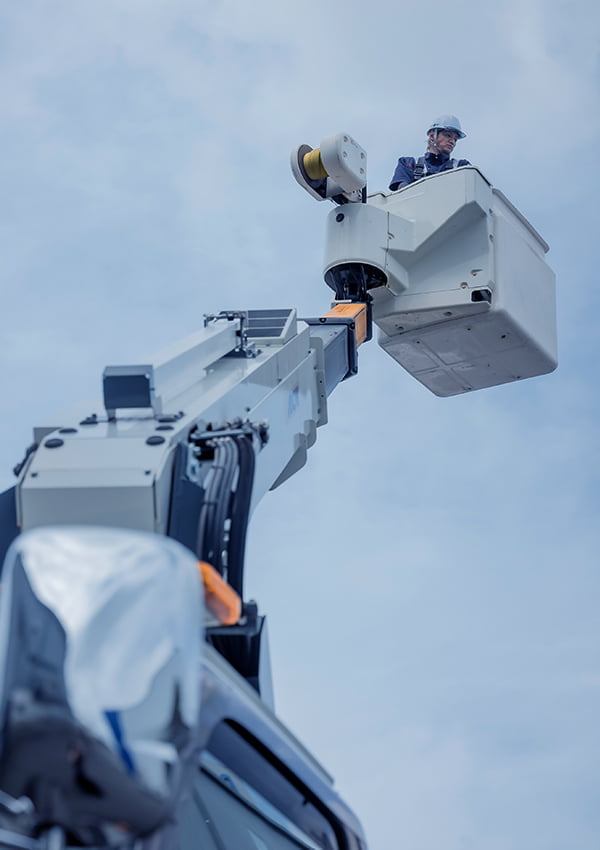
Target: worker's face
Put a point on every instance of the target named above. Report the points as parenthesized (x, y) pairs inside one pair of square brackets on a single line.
[(445, 141)]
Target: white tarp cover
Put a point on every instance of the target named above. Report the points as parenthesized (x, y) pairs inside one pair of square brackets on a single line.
[(131, 605)]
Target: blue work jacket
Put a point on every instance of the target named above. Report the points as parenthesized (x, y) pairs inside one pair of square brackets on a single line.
[(434, 162)]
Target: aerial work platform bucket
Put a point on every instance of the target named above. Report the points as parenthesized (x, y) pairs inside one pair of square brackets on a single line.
[(465, 298)]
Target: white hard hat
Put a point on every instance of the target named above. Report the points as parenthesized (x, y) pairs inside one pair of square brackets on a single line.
[(447, 122)]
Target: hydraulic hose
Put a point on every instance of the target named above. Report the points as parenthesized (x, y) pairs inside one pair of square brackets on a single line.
[(240, 514), (215, 508)]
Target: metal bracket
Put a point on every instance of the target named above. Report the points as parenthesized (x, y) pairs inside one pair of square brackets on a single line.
[(237, 428), (244, 348)]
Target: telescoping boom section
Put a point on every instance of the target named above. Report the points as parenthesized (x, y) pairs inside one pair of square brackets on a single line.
[(251, 387)]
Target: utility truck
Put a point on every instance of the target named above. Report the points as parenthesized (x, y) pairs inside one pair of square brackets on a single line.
[(136, 701)]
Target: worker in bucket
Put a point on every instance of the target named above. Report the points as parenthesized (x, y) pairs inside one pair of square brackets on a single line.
[(442, 136)]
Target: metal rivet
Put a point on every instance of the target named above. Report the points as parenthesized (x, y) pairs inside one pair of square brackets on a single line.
[(164, 427), (155, 441), (54, 443), (339, 217), (67, 431)]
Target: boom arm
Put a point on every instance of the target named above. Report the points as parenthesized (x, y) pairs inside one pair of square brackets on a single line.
[(184, 445), (259, 378)]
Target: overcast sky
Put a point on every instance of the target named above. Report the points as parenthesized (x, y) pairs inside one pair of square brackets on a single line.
[(431, 577)]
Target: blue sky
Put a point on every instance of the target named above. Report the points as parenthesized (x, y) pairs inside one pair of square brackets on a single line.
[(431, 577)]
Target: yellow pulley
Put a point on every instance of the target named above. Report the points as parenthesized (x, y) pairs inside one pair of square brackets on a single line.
[(313, 165)]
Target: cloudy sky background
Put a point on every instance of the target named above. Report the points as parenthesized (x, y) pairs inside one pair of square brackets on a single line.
[(431, 577)]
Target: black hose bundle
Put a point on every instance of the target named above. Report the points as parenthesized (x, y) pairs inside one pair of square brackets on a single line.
[(211, 541), (225, 511), (240, 514)]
